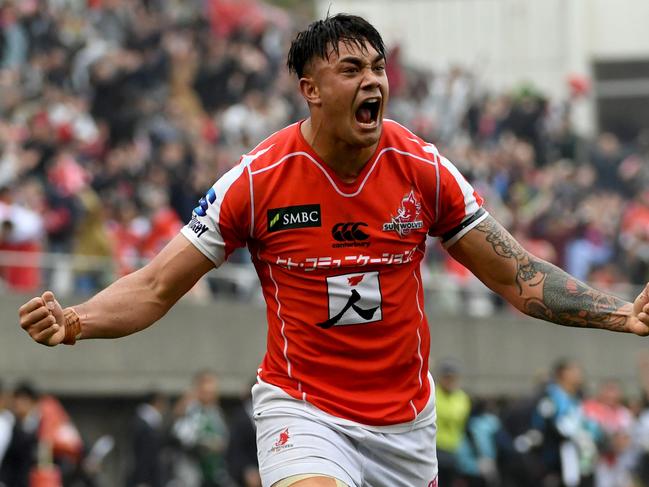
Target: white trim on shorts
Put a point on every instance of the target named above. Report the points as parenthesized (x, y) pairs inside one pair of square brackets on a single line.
[(294, 437), (269, 396)]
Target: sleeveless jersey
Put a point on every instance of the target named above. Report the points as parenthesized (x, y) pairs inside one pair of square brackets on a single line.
[(339, 265)]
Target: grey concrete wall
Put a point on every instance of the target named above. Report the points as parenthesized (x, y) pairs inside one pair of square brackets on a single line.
[(500, 353)]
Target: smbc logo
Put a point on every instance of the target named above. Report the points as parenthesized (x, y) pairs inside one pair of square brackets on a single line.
[(349, 232)]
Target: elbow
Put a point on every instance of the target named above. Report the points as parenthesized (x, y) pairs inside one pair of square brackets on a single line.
[(160, 290)]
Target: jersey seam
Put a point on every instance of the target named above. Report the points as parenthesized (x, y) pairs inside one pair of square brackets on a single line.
[(252, 202), (421, 319), (329, 178)]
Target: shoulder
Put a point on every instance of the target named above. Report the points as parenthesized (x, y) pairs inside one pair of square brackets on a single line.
[(273, 149), (400, 139)]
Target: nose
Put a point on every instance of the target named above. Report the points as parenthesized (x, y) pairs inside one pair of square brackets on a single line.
[(370, 80)]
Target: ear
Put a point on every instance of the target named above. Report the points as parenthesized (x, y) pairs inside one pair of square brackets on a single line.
[(310, 90)]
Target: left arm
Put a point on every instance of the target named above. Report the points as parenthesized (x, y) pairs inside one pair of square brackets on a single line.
[(542, 290)]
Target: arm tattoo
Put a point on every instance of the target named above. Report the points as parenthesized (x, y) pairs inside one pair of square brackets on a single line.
[(553, 295)]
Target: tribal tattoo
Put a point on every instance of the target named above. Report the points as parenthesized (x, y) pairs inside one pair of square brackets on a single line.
[(562, 298)]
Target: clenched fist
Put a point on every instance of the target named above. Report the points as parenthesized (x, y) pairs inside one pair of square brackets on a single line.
[(639, 319), (43, 319)]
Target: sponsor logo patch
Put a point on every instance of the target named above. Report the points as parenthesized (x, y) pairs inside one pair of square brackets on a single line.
[(301, 216), (205, 202), (197, 227), (354, 299), (407, 217), (350, 234)]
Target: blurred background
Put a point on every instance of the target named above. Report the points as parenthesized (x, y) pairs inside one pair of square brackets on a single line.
[(117, 115)]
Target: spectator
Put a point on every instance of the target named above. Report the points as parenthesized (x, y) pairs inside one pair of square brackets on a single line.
[(568, 448), (615, 421), (58, 438), (478, 452), (202, 435), (634, 236), (20, 456), (642, 428), (21, 231), (15, 43), (242, 449), (453, 408), (607, 154), (6, 426), (148, 441)]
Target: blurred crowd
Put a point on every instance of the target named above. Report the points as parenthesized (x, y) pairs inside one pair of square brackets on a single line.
[(187, 444), (561, 435), (117, 115), (557, 437)]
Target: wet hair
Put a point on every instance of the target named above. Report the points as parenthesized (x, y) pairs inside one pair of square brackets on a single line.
[(323, 36)]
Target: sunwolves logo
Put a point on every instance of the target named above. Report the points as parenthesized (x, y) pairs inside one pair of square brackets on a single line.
[(406, 219), (283, 438), (197, 227), (282, 442)]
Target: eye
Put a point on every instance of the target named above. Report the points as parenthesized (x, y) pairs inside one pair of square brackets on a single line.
[(379, 68), (350, 70)]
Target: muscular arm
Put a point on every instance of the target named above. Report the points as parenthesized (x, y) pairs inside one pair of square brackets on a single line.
[(540, 289), (129, 305), (138, 300)]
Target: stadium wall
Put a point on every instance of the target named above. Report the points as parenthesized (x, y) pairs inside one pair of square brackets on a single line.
[(500, 354)]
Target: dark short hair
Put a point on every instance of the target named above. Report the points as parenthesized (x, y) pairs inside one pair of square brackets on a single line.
[(323, 36), (561, 365), (202, 374), (26, 389)]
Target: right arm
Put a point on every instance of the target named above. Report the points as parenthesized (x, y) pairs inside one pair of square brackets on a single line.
[(129, 305)]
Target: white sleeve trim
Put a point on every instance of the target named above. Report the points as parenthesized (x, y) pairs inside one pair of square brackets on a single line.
[(216, 253)]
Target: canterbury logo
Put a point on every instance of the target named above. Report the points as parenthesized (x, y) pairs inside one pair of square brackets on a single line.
[(349, 232)]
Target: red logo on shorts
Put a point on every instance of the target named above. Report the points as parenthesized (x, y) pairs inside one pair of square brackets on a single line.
[(283, 438), (433, 483), (282, 442)]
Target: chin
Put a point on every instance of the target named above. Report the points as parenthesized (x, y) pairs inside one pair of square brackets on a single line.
[(367, 137)]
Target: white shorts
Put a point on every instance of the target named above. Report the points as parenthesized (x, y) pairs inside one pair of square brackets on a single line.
[(294, 437)]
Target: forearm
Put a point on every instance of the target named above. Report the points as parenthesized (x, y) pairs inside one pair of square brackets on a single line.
[(544, 291), (567, 301), (128, 305), (143, 297)]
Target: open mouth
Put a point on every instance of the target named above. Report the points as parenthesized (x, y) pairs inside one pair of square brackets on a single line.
[(368, 112)]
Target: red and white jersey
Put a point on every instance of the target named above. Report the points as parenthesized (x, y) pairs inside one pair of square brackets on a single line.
[(339, 265)]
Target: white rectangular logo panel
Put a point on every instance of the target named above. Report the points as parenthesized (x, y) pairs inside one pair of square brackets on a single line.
[(353, 299)]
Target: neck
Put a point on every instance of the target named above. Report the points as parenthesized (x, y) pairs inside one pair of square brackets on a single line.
[(346, 160)]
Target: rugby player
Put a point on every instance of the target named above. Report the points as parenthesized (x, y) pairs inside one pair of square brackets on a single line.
[(335, 211)]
